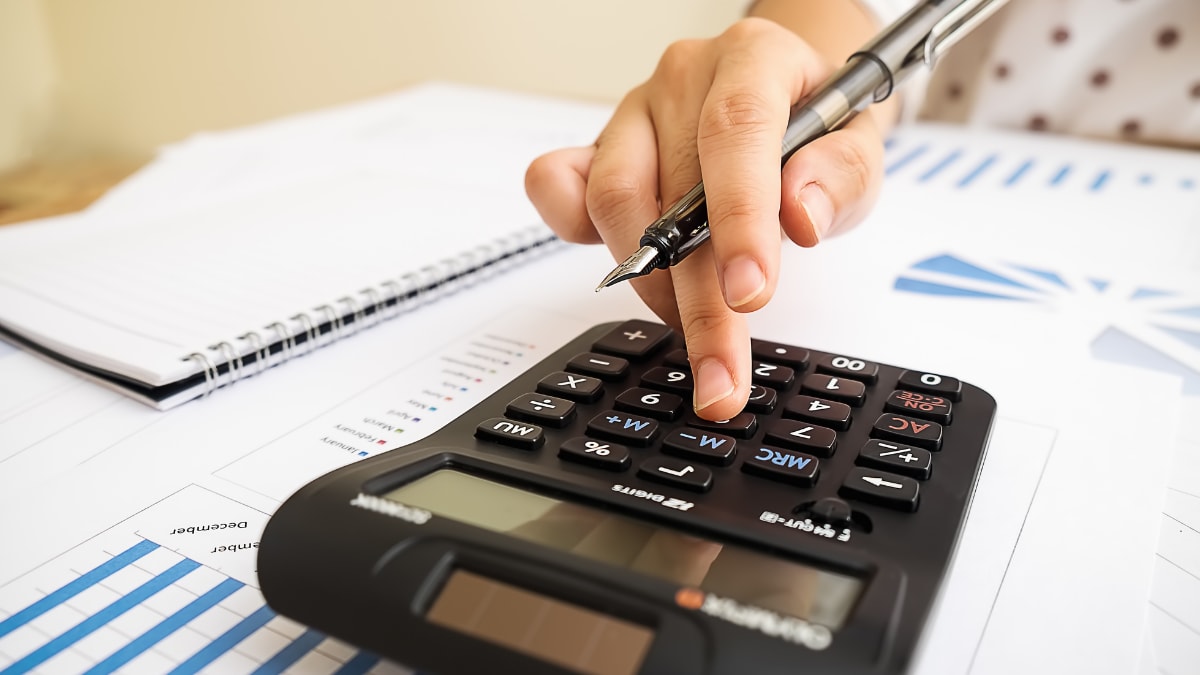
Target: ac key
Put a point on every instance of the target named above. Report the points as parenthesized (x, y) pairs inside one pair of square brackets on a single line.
[(921, 433)]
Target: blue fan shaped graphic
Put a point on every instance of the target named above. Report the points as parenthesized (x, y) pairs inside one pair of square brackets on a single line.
[(1152, 328)]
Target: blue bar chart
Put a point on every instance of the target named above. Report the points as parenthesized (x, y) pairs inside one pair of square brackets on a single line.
[(925, 159), (123, 602)]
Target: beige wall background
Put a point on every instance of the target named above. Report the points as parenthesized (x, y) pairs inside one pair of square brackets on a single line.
[(118, 78)]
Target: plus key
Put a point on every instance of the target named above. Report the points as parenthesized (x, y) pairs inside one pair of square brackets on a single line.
[(633, 339)]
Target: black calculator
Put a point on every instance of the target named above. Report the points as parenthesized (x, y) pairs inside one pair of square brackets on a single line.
[(583, 519)]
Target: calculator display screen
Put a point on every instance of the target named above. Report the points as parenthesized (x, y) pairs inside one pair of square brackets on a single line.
[(733, 572)]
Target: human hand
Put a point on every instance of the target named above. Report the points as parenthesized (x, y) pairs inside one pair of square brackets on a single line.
[(716, 108)]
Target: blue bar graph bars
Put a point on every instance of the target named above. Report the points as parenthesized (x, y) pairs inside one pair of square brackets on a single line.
[(1018, 173), (925, 162), (977, 171), (945, 162), (225, 641), (76, 587), (290, 653), (1060, 175), (167, 626), (157, 631), (95, 621), (905, 159)]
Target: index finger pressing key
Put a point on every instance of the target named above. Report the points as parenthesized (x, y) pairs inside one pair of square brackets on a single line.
[(739, 138)]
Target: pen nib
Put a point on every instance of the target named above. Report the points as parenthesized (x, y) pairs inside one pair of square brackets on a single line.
[(637, 265)]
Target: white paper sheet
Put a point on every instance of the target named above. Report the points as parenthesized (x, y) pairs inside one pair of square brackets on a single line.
[(1091, 234), (207, 444)]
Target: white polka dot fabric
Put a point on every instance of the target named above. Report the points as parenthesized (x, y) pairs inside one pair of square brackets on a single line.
[(1114, 69)]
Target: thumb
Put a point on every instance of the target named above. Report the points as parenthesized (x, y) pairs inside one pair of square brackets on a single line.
[(831, 184), (556, 184)]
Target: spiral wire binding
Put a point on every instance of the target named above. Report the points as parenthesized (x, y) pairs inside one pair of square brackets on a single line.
[(390, 298), (260, 349), (310, 329), (413, 291), (335, 322), (374, 299), (355, 311), (233, 359), (286, 341), (210, 371)]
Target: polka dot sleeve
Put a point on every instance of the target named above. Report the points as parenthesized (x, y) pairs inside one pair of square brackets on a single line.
[(1115, 69)]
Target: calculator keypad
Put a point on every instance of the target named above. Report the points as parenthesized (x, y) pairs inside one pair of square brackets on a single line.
[(569, 385), (677, 472), (676, 379), (774, 352), (821, 411), (602, 366), (851, 392), (742, 425), (880, 487), (649, 402), (772, 375), (634, 339), (903, 459), (549, 410), (501, 430), (931, 383), (785, 465), (845, 366), (700, 445), (583, 450), (762, 399), (812, 532), (624, 427), (926, 406), (803, 407), (801, 436), (909, 430)]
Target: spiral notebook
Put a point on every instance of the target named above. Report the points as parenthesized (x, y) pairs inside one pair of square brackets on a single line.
[(401, 204)]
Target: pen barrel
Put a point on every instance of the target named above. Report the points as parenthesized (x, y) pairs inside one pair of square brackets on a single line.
[(905, 44), (680, 230), (859, 83)]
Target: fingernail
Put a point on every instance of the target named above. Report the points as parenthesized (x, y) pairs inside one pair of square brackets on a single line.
[(713, 383), (818, 207), (742, 280)]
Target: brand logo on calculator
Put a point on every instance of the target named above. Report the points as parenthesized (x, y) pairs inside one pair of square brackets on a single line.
[(390, 508), (669, 502), (789, 628)]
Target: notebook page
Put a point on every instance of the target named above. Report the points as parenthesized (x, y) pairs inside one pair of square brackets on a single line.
[(499, 131), (230, 232), (145, 297)]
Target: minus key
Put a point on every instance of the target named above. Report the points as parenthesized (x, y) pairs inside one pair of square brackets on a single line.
[(602, 366)]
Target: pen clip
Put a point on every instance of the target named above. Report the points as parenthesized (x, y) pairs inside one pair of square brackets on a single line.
[(957, 24)]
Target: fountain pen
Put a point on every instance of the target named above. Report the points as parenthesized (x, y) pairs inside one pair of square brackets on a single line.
[(870, 75)]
